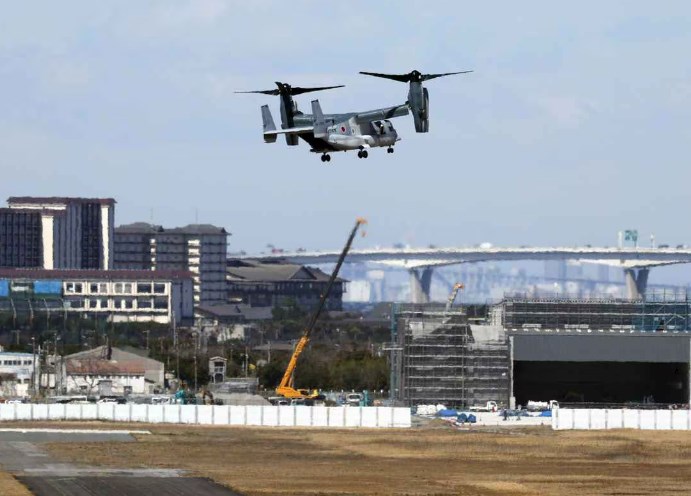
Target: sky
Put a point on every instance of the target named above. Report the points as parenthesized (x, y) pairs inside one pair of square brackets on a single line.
[(575, 123)]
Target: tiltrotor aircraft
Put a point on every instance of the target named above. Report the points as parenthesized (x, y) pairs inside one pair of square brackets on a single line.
[(327, 133)]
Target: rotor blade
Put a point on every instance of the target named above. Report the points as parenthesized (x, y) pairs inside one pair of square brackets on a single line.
[(403, 78), (427, 77), (296, 90), (263, 92)]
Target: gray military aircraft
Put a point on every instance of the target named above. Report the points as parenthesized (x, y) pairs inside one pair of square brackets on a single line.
[(326, 133)]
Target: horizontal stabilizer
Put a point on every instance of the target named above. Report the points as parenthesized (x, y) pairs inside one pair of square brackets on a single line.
[(291, 130)]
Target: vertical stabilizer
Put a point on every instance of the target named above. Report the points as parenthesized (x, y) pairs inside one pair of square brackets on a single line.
[(319, 120), (269, 125)]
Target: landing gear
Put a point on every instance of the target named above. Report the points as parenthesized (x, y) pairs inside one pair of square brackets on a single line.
[(389, 149), (362, 154), (326, 158)]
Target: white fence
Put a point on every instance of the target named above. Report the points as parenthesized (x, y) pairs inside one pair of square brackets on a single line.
[(567, 418), (252, 415)]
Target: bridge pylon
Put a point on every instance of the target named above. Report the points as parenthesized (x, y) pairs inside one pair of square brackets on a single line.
[(420, 284), (636, 282)]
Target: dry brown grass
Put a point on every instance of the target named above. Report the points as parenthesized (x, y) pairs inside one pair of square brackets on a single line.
[(9, 486), (414, 462)]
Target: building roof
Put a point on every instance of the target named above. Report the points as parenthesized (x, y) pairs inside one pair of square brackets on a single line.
[(139, 228), (96, 366), (35, 211), (58, 200), (260, 271), (235, 311), (198, 229), (118, 357), (146, 228), (92, 274)]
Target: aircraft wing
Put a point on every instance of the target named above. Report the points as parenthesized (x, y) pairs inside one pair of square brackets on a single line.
[(290, 130)]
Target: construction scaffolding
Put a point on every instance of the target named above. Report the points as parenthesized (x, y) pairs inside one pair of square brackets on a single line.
[(438, 357), (658, 311)]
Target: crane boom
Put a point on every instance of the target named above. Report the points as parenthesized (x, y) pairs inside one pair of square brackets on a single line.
[(452, 296), (285, 388)]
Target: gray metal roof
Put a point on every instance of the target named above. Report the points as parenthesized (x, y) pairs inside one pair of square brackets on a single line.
[(257, 271), (146, 228)]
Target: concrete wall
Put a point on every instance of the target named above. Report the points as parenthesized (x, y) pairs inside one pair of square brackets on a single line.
[(269, 416), (567, 418)]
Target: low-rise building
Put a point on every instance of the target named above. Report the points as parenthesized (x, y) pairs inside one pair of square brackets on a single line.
[(105, 371), (118, 295), (16, 372), (277, 284)]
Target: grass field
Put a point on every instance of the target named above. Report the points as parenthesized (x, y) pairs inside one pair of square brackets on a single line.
[(434, 461)]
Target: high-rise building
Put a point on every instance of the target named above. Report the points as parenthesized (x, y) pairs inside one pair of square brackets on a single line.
[(57, 233), (199, 248), (20, 238)]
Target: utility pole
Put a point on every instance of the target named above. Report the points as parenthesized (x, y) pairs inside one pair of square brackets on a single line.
[(176, 343), (33, 376)]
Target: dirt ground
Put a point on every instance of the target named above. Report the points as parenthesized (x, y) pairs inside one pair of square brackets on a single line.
[(431, 461), (10, 487)]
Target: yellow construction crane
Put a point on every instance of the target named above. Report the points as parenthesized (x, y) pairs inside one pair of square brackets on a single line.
[(286, 388), (452, 297)]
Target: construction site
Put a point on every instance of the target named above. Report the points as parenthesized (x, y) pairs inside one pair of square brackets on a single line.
[(600, 351), (437, 356)]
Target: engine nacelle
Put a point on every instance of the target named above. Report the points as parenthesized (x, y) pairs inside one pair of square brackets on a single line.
[(418, 100)]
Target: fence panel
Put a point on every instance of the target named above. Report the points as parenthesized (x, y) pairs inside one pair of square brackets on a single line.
[(268, 416)]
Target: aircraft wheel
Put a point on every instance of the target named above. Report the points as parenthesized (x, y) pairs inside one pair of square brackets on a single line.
[(359, 154), (389, 150), (365, 154), (323, 157), (328, 158)]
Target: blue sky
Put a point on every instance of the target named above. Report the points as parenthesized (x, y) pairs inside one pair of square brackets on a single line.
[(575, 124)]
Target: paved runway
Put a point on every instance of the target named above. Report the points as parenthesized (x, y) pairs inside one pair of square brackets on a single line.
[(21, 454), (120, 486)]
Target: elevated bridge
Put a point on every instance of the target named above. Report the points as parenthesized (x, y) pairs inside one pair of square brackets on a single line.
[(420, 262)]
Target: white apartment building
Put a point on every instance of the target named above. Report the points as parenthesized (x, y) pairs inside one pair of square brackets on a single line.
[(120, 295)]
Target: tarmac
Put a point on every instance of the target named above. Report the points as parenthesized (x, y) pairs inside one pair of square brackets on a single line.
[(22, 455)]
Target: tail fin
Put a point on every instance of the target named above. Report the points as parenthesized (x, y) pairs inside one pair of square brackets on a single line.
[(269, 125), (319, 120)]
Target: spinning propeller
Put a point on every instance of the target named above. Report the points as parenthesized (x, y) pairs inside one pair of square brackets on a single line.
[(412, 77), (286, 89)]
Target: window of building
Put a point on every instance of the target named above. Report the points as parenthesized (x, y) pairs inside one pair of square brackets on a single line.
[(128, 303), (159, 288), (103, 302), (93, 303), (93, 287), (127, 287), (117, 288), (161, 303), (144, 287), (27, 362), (144, 303), (73, 287)]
